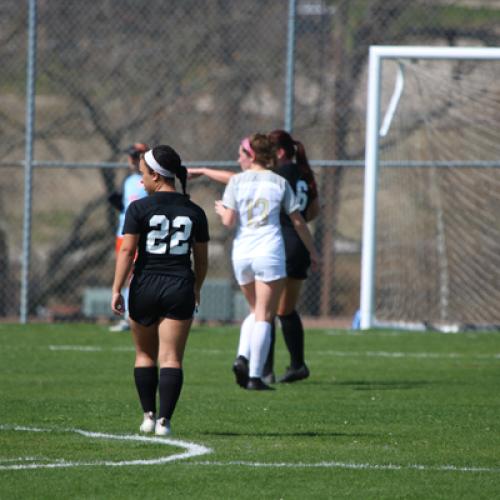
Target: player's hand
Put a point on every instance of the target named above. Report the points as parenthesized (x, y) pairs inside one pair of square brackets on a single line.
[(219, 208), (193, 173), (197, 298), (118, 304)]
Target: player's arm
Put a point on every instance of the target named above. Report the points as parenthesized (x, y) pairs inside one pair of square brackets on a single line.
[(300, 226), (200, 264), (227, 215), (215, 174), (124, 262), (312, 210)]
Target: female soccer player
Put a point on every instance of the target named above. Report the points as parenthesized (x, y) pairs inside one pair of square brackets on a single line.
[(293, 165), (132, 190), (253, 200), (164, 228)]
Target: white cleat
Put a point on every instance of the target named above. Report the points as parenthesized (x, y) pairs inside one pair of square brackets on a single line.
[(148, 424), (162, 427), (122, 326)]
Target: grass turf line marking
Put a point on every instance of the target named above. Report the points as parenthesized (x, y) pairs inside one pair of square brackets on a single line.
[(372, 354), (350, 465), (83, 348), (191, 450), (387, 354)]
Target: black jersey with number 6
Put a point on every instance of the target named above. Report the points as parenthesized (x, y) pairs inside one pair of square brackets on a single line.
[(304, 189), (168, 223)]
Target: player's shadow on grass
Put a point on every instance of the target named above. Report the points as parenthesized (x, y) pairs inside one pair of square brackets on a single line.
[(383, 385)]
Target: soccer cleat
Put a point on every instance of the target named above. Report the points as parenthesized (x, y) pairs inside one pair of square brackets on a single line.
[(256, 384), (294, 374), (121, 326), (148, 424), (269, 378), (162, 427), (240, 369)]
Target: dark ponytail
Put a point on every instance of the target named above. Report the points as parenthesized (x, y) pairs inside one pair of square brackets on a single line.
[(169, 159), (181, 174), (295, 151)]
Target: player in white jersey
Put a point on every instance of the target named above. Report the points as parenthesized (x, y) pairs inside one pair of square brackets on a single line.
[(253, 201)]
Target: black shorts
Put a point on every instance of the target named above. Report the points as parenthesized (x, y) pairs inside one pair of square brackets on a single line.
[(155, 296), (297, 256)]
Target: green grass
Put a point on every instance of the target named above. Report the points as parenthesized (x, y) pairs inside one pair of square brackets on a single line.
[(365, 408)]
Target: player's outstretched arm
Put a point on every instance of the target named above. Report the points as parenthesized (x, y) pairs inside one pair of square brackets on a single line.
[(214, 174)]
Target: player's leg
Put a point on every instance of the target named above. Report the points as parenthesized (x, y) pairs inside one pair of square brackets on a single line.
[(246, 279), (293, 331), (173, 336), (268, 374), (145, 370), (240, 365), (248, 291), (266, 302)]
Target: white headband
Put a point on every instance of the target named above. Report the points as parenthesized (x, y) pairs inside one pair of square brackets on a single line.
[(152, 163)]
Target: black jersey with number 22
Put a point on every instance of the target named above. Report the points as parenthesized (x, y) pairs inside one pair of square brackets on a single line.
[(167, 223)]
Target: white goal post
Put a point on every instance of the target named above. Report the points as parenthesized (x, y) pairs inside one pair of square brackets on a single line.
[(440, 131)]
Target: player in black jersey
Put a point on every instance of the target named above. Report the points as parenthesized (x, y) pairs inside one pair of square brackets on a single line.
[(165, 228), (293, 165)]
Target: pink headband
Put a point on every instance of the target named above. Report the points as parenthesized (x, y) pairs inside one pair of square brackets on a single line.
[(245, 144)]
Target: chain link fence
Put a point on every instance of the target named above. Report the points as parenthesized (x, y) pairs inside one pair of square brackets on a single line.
[(199, 75)]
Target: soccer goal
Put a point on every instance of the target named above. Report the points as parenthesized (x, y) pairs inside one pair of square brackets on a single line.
[(431, 222)]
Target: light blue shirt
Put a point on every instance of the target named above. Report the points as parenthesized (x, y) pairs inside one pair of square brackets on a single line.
[(133, 189)]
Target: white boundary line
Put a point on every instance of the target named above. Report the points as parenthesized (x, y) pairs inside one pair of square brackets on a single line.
[(350, 465), (373, 354), (396, 354), (191, 450)]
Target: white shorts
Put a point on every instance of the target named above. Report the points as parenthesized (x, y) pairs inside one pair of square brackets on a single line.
[(259, 268)]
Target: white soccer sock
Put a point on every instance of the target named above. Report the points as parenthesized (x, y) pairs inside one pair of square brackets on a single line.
[(245, 336), (259, 347)]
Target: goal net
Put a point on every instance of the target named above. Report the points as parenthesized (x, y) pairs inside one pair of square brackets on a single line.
[(431, 235)]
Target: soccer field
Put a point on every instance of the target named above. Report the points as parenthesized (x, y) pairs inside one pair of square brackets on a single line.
[(384, 414)]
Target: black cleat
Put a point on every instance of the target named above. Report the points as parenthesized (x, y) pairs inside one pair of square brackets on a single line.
[(256, 384), (294, 374), (240, 369)]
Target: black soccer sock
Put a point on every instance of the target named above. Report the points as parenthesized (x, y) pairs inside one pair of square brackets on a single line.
[(269, 364), (146, 381), (170, 388), (293, 333)]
